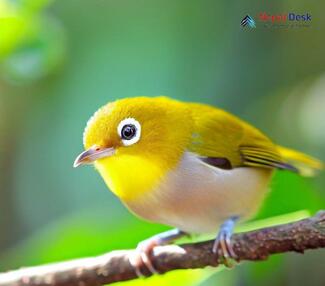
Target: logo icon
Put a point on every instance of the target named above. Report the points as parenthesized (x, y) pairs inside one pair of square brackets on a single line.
[(248, 21)]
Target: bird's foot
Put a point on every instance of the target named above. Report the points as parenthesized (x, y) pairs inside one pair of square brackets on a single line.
[(222, 245), (142, 256)]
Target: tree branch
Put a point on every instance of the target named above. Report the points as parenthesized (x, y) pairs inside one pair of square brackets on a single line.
[(114, 266)]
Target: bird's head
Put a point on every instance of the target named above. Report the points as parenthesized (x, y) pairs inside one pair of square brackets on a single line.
[(134, 142)]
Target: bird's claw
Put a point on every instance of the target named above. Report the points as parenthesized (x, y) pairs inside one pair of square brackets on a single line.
[(223, 246), (142, 257)]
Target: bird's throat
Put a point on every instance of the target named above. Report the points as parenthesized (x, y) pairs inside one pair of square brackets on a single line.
[(130, 177)]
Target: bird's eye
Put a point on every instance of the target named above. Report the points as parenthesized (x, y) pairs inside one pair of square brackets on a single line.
[(129, 130)]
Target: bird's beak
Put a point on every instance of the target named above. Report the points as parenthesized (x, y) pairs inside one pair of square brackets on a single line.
[(92, 154)]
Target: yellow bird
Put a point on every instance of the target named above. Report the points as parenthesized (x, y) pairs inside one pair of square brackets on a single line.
[(188, 165)]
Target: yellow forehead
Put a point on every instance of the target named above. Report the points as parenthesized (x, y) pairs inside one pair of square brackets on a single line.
[(100, 129)]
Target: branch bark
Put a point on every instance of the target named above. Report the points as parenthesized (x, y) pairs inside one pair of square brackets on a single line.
[(114, 266)]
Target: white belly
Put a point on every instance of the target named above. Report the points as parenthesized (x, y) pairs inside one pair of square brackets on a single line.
[(197, 198)]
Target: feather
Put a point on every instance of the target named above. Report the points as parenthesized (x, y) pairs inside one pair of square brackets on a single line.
[(256, 157), (222, 140)]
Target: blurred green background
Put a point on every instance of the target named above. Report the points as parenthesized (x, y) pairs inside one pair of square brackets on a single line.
[(61, 60)]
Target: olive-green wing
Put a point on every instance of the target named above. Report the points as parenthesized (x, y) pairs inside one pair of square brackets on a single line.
[(225, 141)]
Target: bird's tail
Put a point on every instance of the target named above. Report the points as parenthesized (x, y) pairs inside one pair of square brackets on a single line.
[(305, 165)]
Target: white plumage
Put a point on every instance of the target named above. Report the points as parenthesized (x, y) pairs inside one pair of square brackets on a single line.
[(196, 197)]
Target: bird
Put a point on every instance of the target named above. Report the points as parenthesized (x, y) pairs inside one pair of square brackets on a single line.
[(191, 166)]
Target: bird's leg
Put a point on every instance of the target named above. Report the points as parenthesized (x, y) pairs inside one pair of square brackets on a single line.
[(144, 249), (222, 244)]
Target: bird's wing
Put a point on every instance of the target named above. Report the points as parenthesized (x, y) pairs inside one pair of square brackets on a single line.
[(223, 140)]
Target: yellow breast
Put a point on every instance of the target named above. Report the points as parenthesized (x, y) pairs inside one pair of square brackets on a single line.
[(129, 177)]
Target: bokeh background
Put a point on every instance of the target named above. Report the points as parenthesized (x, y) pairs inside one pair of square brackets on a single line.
[(61, 60)]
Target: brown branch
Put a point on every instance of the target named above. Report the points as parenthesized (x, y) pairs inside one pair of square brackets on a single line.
[(114, 266)]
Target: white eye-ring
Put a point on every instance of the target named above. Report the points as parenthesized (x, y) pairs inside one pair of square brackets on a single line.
[(129, 130)]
